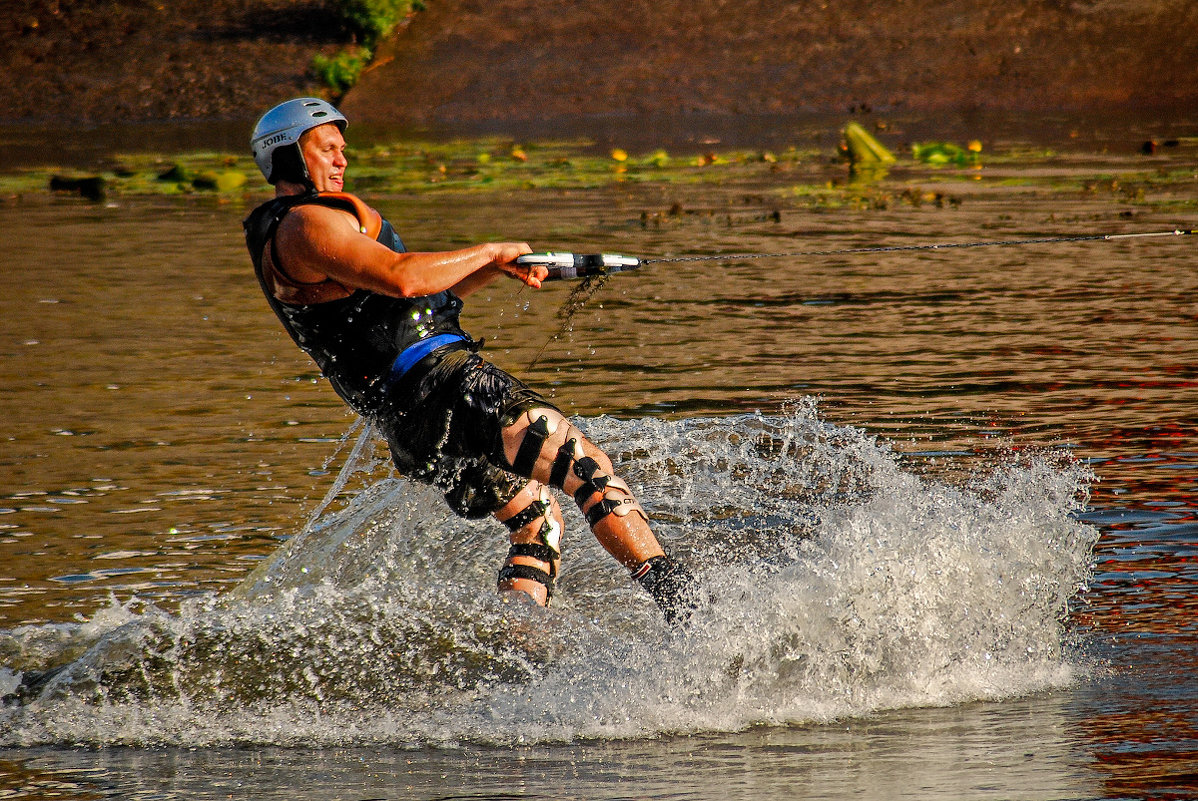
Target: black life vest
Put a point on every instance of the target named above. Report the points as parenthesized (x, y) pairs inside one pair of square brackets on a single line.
[(355, 339)]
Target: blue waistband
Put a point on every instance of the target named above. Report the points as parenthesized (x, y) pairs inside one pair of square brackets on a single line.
[(407, 358)]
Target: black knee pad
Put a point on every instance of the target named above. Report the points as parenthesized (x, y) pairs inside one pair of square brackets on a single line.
[(548, 550), (537, 551), (594, 480), (535, 435), (569, 453)]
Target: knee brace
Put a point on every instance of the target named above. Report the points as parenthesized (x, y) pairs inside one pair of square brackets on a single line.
[(540, 428), (615, 496), (549, 532), (548, 550), (516, 570)]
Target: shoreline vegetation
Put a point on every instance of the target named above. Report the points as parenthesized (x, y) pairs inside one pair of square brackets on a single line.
[(940, 174), (368, 22)]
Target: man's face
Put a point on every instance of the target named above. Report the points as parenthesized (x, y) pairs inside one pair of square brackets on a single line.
[(323, 148)]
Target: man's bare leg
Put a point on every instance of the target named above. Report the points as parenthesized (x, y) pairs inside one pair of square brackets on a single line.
[(543, 444)]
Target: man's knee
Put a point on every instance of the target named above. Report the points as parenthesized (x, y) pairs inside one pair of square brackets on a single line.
[(601, 493), (576, 466), (530, 435)]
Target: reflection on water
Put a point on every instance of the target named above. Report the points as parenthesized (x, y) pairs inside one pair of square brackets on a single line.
[(1025, 747), (162, 439)]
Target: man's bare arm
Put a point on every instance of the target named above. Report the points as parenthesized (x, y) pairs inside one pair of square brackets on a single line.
[(316, 242)]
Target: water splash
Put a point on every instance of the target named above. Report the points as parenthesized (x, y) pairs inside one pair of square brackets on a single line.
[(580, 294), (840, 584)]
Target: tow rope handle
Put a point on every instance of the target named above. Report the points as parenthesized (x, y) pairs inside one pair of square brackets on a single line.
[(565, 266)]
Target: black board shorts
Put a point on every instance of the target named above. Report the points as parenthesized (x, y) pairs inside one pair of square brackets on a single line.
[(443, 422)]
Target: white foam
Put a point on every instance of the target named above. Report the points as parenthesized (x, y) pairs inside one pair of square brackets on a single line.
[(841, 585)]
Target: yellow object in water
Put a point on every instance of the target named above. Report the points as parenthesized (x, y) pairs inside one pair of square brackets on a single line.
[(863, 148)]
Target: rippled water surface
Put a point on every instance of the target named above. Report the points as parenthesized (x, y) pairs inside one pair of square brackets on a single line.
[(945, 501)]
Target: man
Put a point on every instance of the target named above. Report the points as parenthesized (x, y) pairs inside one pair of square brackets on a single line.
[(382, 324)]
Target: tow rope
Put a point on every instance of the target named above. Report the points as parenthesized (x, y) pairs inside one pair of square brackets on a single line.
[(594, 268), (566, 266)]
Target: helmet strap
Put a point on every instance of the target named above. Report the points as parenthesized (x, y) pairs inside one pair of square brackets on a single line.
[(287, 164)]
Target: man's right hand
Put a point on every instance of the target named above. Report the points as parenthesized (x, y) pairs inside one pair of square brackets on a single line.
[(505, 260)]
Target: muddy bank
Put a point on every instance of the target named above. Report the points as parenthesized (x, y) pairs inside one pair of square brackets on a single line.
[(474, 62), (94, 62)]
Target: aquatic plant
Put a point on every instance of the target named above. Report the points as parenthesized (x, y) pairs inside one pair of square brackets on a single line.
[(807, 178), (947, 153)]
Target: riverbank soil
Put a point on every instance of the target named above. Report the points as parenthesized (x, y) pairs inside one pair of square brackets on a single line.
[(98, 61), (477, 60), (474, 61)]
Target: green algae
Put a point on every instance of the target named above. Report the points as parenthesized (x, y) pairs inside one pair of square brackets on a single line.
[(465, 165), (505, 165), (807, 178)]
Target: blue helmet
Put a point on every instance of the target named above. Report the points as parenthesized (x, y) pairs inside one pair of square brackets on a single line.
[(282, 127)]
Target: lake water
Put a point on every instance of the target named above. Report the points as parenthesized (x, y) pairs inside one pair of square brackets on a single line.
[(944, 500)]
